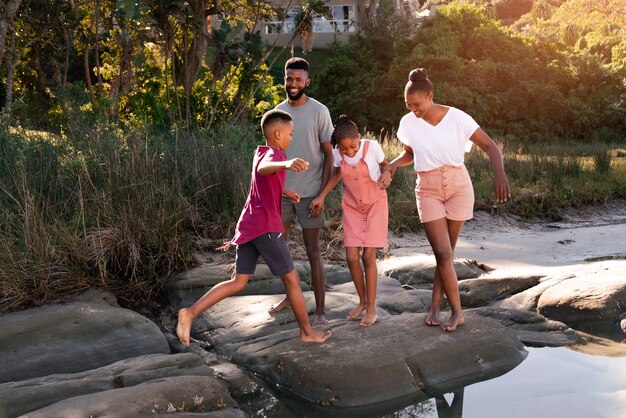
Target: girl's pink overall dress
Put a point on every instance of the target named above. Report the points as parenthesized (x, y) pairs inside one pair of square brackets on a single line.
[(364, 204)]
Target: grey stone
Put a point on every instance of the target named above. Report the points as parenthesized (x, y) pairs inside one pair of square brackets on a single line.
[(171, 394), (222, 413), (69, 338), (479, 292), (420, 268), (531, 328), (17, 398), (528, 299)]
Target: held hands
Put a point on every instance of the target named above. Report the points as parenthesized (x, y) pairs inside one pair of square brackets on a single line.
[(296, 164), (385, 179), (224, 247)]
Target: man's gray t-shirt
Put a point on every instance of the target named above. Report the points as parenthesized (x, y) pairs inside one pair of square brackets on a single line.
[(312, 126)]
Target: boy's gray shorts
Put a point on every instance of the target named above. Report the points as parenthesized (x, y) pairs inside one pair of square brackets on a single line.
[(274, 250), (300, 211)]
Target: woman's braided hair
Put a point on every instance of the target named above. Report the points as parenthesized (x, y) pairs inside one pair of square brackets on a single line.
[(344, 128)]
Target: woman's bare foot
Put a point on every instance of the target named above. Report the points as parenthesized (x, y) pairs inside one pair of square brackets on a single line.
[(452, 323), (356, 312), (370, 318), (185, 318), (432, 319), (315, 336), (320, 319), (277, 307)]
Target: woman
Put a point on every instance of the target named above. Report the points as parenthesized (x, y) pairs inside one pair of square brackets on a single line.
[(435, 139)]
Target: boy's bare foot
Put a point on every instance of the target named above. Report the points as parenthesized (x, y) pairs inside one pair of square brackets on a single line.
[(369, 319), (277, 307), (432, 319), (185, 318), (315, 336), (320, 319), (356, 312), (452, 323)]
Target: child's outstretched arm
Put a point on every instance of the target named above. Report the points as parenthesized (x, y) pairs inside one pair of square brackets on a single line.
[(266, 168), (383, 183), (318, 203)]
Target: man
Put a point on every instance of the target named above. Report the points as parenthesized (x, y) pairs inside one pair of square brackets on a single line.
[(311, 142)]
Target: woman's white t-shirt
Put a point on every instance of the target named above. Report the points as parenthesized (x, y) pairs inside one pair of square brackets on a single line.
[(374, 157), (443, 144)]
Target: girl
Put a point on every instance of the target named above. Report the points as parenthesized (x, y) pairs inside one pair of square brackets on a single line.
[(435, 139), (365, 214)]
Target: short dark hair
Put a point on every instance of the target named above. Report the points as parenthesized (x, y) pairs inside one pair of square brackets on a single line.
[(273, 116), (418, 82), (344, 128), (297, 63)]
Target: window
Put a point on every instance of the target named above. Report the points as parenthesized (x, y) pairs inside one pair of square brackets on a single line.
[(338, 19)]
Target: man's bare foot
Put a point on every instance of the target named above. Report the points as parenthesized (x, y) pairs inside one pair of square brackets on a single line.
[(315, 336), (185, 318), (369, 319), (432, 319), (320, 319), (356, 312), (452, 323), (277, 307)]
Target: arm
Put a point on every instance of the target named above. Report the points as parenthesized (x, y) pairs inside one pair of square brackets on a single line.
[(500, 183), (327, 168), (388, 170), (266, 168), (318, 203)]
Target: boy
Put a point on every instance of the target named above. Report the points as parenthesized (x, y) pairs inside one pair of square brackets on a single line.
[(259, 230)]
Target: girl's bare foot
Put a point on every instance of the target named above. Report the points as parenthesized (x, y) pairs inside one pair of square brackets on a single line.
[(369, 319), (277, 307), (320, 319), (185, 318), (432, 319), (315, 336), (356, 312), (452, 323)]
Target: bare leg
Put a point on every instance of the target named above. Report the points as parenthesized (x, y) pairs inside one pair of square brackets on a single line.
[(438, 234), (214, 295), (318, 281), (354, 265), (277, 307), (291, 281), (454, 229), (371, 278)]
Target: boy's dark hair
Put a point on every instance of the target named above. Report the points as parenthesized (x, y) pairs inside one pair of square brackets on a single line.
[(273, 116), (344, 128), (297, 63), (418, 82)]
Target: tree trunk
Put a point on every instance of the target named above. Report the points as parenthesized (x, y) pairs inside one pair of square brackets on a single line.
[(7, 14)]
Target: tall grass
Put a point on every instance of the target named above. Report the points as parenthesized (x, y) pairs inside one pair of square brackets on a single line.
[(120, 211)]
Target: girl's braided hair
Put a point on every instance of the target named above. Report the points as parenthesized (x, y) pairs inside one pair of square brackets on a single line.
[(344, 128)]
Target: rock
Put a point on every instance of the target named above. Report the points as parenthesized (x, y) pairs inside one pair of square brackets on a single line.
[(531, 328), (222, 413), (479, 292), (17, 398), (412, 300), (172, 394), (408, 359), (593, 301), (187, 287), (337, 275), (94, 295), (69, 338), (527, 300), (420, 268)]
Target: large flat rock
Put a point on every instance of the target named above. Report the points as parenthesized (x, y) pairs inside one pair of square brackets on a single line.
[(420, 268), (70, 338), (409, 359)]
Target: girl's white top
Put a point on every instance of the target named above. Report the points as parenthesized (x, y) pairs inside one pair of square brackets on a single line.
[(374, 157), (443, 144)]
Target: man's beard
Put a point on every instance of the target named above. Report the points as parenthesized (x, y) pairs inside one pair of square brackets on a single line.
[(296, 96)]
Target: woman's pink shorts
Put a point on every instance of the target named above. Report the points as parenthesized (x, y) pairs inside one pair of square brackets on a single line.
[(445, 192)]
